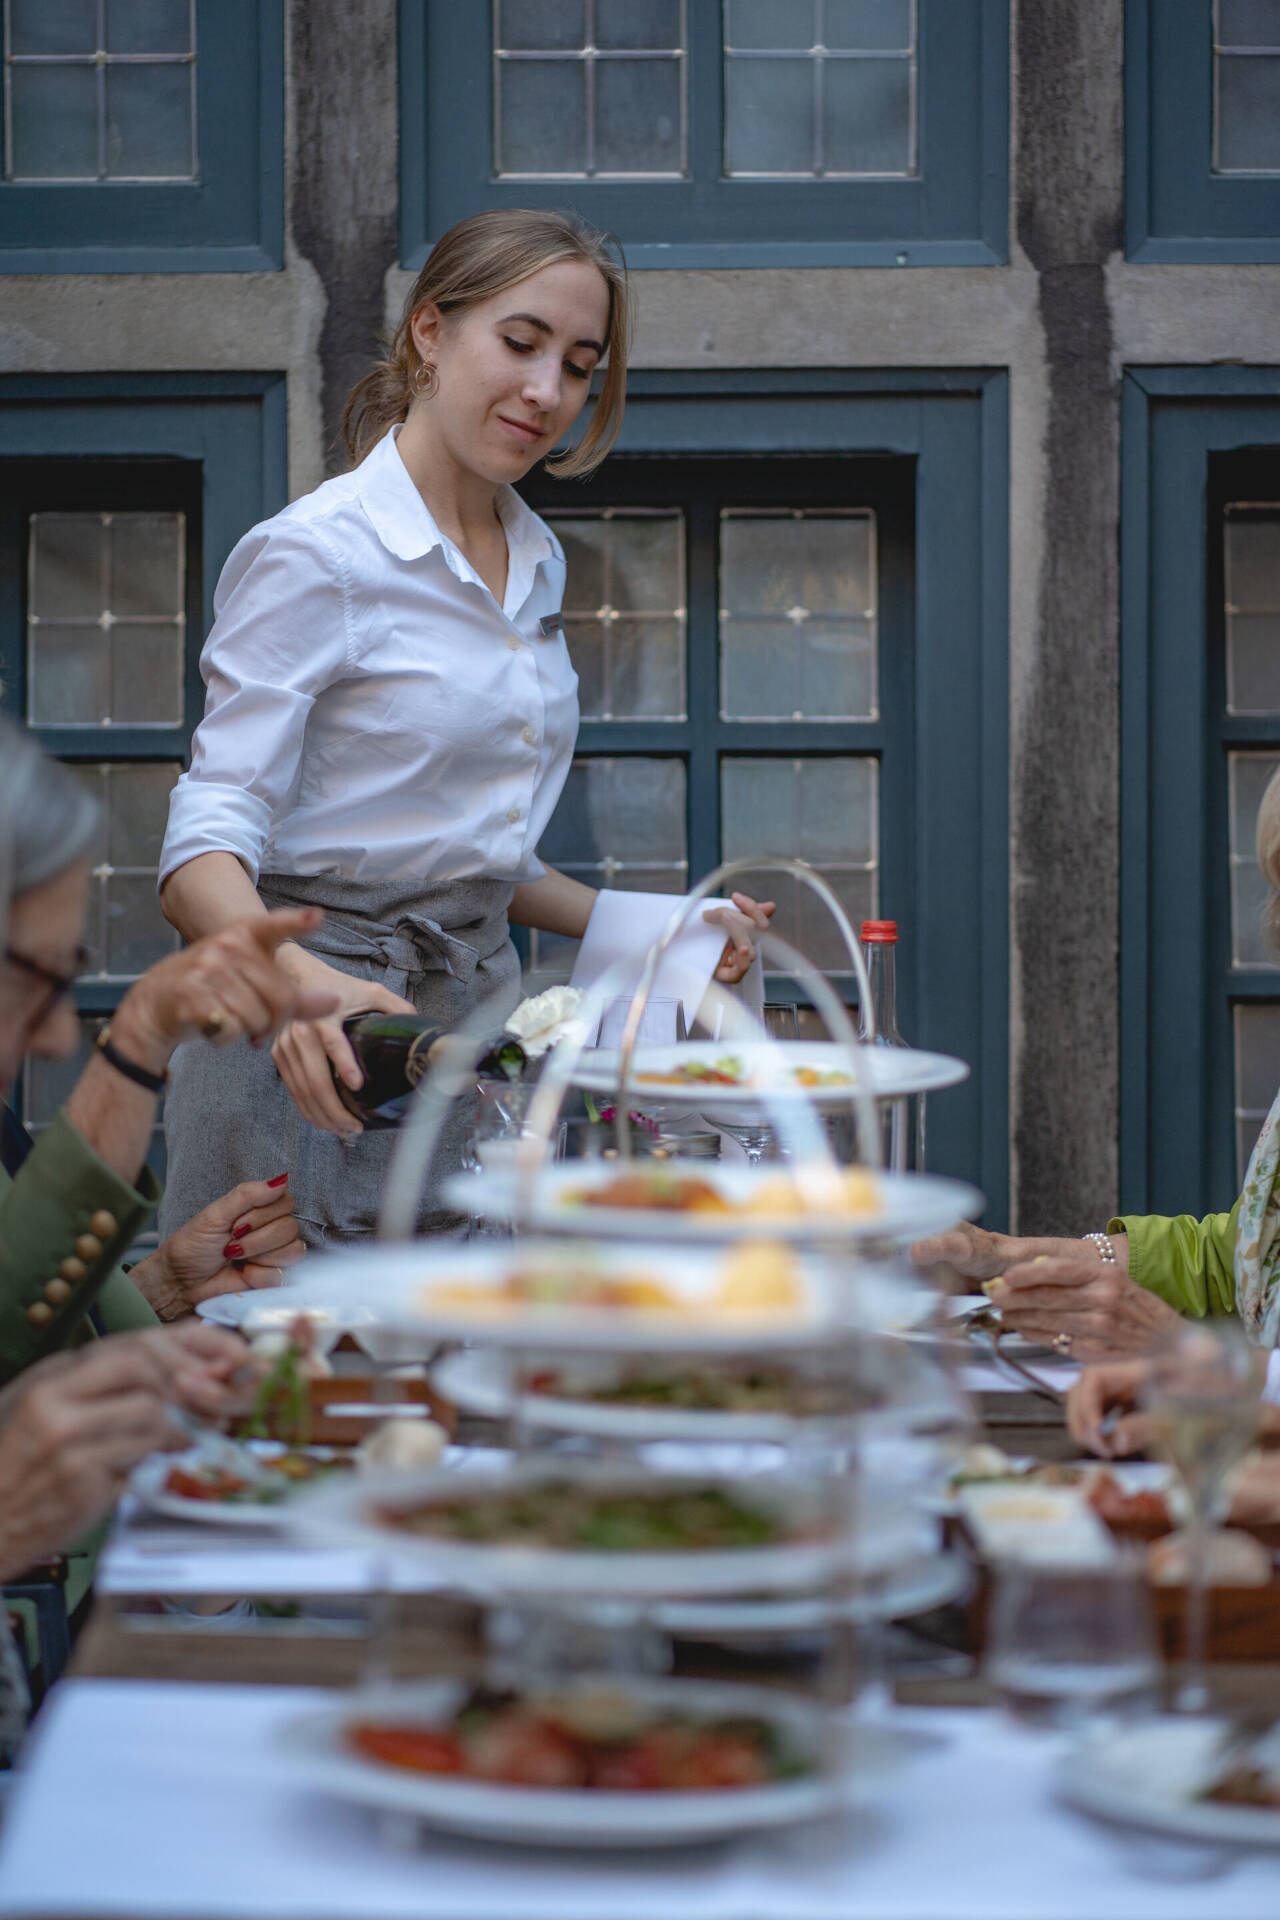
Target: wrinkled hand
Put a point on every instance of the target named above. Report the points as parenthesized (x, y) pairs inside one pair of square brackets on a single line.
[(306, 1050), (228, 986), (741, 928), (974, 1254), (1094, 1303), (76, 1425), (1105, 1392), (246, 1239)]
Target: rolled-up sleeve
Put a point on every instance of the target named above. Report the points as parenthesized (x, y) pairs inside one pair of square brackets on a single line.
[(1187, 1262), (280, 636)]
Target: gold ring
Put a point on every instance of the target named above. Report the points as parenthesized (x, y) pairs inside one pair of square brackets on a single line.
[(217, 1024), (1062, 1343)]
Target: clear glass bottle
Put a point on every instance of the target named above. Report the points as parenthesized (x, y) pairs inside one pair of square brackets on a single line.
[(880, 938)]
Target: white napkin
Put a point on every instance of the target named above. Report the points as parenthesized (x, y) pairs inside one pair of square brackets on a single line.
[(625, 926)]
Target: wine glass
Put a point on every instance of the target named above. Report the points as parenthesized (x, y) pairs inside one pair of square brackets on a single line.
[(1203, 1393), (749, 1126)]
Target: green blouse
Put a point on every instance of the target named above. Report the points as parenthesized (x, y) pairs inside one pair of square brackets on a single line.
[(1187, 1262)]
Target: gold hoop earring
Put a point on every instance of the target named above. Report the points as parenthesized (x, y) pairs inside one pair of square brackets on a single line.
[(426, 379)]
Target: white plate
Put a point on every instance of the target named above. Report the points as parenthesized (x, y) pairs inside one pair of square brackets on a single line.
[(915, 1586), (313, 1747), (1148, 1776), (1133, 1476), (408, 1287), (480, 1381), (768, 1066), (385, 1346), (147, 1484), (347, 1516), (911, 1206)]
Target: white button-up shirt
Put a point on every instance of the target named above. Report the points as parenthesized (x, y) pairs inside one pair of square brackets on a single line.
[(371, 710)]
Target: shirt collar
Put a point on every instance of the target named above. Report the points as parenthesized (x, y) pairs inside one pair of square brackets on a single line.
[(404, 524)]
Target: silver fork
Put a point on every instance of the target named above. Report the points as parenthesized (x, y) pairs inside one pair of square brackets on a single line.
[(986, 1323)]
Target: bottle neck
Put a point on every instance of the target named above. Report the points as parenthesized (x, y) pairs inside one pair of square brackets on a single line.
[(882, 973)]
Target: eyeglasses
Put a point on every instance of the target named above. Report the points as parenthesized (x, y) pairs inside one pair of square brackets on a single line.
[(59, 985)]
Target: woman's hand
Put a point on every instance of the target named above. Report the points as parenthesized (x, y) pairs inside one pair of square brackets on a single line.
[(244, 1240), (972, 1253), (1107, 1395), (76, 1425), (228, 986), (741, 927), (1089, 1305), (307, 1049)]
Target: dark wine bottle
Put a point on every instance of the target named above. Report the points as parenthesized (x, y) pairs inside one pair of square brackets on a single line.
[(394, 1051)]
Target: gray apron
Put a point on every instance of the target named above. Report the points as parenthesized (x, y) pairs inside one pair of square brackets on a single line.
[(227, 1114)]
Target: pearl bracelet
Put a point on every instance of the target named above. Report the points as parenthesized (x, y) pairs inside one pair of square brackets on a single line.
[(1101, 1244)]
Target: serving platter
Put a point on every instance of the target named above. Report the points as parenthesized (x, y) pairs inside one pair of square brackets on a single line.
[(767, 1067), (1151, 1775), (548, 1293), (818, 1548), (760, 1201), (314, 1746)]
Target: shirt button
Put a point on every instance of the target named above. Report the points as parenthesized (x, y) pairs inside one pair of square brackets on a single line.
[(513, 643), (530, 737), (514, 815), (57, 1292), (104, 1224), (88, 1246), (73, 1269), (39, 1313)]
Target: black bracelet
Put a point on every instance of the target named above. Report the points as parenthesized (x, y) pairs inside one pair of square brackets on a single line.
[(153, 1082)]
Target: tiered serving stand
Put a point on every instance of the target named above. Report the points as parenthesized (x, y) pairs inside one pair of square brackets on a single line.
[(838, 1466)]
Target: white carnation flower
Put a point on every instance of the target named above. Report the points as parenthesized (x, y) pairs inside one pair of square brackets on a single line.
[(538, 1023)]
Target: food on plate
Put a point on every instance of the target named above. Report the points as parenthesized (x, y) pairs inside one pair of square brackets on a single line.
[(401, 1444), (980, 1465), (737, 1386), (605, 1741), (567, 1286), (565, 1515), (664, 1189), (1135, 1509), (732, 1071), (1233, 1559), (217, 1485), (761, 1278), (1251, 1778)]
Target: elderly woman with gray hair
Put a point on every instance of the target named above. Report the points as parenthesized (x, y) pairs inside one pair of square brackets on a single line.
[(75, 1418), (1117, 1290)]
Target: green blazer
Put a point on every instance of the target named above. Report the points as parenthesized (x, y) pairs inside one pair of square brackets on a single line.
[(66, 1220)]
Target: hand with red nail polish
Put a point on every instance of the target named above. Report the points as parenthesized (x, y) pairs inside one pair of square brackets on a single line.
[(246, 1239)]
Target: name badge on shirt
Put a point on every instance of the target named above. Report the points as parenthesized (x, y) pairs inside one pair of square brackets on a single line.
[(551, 623)]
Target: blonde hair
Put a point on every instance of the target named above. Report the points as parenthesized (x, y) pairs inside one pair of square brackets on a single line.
[(1267, 844), (475, 260)]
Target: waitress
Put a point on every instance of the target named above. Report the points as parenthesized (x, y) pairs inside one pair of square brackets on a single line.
[(392, 710)]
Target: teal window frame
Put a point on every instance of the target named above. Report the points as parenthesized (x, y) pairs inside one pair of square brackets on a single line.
[(944, 852), (1176, 208), (953, 213), (229, 220), (1183, 430)]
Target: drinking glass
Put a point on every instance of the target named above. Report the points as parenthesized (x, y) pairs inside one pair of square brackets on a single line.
[(1203, 1393), (750, 1126), (781, 1019), (661, 1022), (1068, 1642)]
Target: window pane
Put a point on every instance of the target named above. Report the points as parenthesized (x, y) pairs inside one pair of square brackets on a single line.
[(867, 123), (53, 26), (621, 824), (637, 117), (1252, 554), (824, 811), (146, 555), (768, 124), (1247, 113), (54, 122), (868, 23), (67, 560), (797, 626), (47, 1083), (1248, 774), (1253, 663), (624, 613), (146, 674), (1249, 23), (541, 24), (769, 23), (1257, 1064), (149, 26), (149, 121), (127, 930), (638, 23), (541, 116), (69, 676)]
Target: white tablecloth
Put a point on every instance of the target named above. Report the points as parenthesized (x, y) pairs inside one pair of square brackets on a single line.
[(153, 1799)]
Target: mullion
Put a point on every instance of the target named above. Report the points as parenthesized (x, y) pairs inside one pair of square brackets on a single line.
[(703, 667)]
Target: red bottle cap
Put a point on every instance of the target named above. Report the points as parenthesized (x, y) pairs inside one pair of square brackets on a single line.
[(879, 932)]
